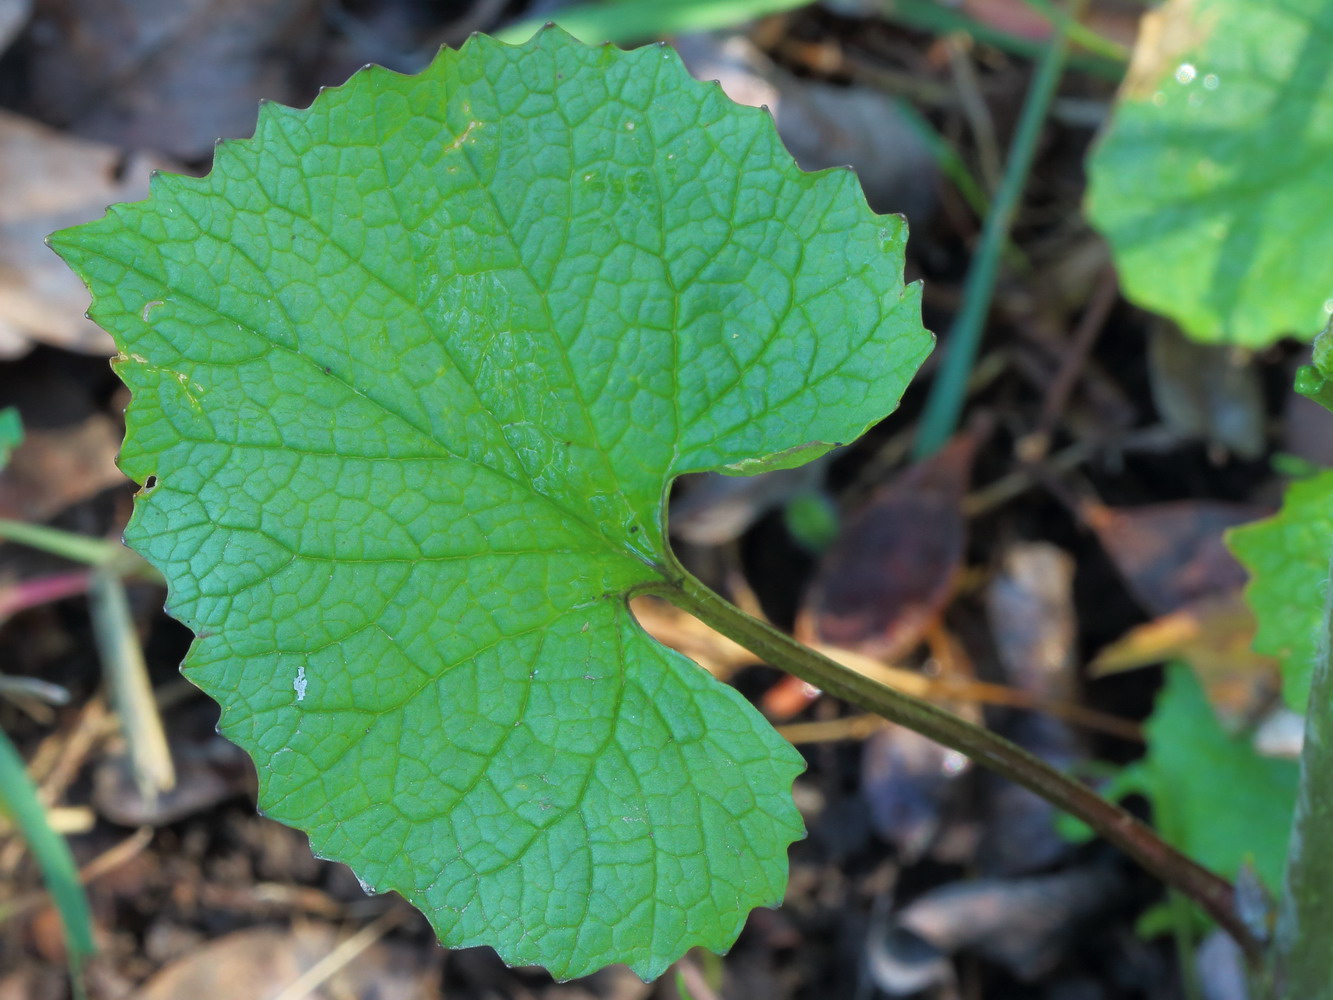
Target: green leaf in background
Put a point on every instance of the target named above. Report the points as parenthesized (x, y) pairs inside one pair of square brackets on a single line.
[(1212, 180), (628, 21), (1213, 795), (1287, 556), (412, 370), (1098, 56), (11, 433)]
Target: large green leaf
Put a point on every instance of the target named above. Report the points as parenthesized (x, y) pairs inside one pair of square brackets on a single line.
[(412, 370), (1212, 180), (1287, 556)]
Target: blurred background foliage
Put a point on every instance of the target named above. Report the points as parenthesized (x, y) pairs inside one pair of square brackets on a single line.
[(1035, 534)]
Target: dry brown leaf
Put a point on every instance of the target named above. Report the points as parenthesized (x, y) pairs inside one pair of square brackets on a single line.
[(1026, 925), (1213, 635), (1207, 391), (57, 467), (788, 698), (1032, 618), (1171, 554), (684, 633), (1030, 606), (713, 509), (168, 75), (824, 125), (1165, 35), (49, 180), (892, 571), (256, 964), (906, 782)]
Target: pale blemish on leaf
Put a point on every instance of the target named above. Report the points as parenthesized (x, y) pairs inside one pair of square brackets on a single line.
[(1168, 36)]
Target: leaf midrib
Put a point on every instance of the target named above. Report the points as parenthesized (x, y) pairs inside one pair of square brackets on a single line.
[(527, 487)]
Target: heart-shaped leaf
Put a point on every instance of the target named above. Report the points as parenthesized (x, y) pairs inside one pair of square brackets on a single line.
[(412, 371)]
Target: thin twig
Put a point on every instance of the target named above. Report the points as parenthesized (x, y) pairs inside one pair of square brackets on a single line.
[(975, 110), (131, 693), (1022, 479), (693, 978), (849, 727), (982, 692), (341, 956), (1090, 326), (96, 552)]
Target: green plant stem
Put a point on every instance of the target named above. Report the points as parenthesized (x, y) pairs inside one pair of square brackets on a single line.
[(1302, 959), (96, 552), (1080, 34), (938, 18), (1211, 892), (948, 392), (66, 544)]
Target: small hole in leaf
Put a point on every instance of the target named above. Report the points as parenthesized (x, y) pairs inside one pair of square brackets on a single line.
[(150, 484)]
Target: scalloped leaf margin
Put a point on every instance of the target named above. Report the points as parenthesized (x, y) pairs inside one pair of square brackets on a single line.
[(412, 370)]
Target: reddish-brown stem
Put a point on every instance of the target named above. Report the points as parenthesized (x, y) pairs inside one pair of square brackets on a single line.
[(1214, 894)]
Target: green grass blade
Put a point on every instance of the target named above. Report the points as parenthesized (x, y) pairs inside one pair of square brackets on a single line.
[(20, 804), (945, 403), (946, 158)]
